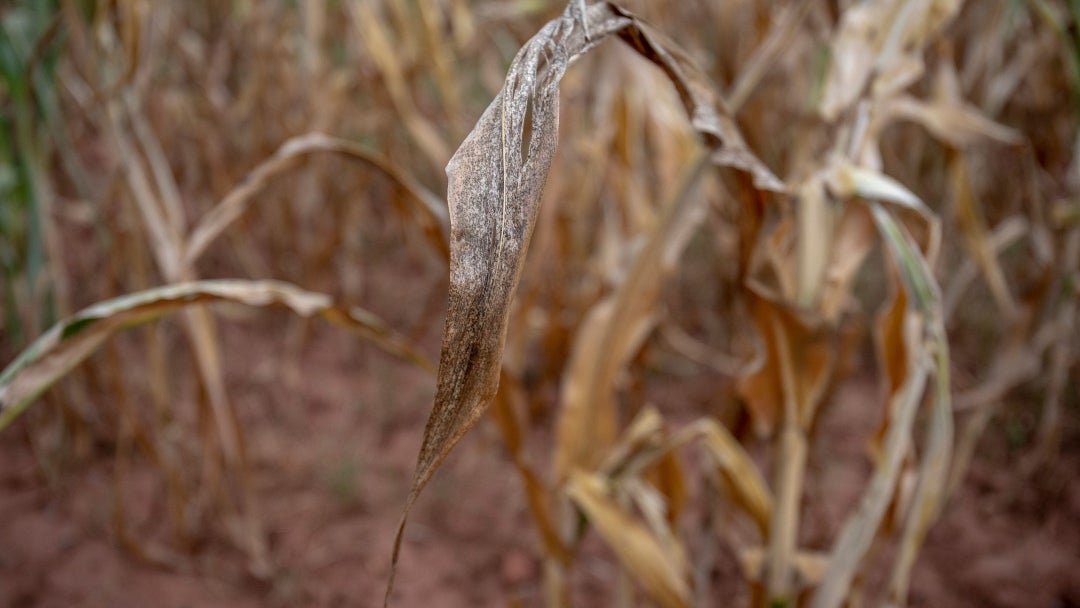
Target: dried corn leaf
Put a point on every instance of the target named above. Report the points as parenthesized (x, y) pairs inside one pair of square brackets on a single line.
[(915, 274), (759, 386), (933, 488), (802, 347), (880, 41), (670, 480), (855, 48), (778, 251), (916, 321), (644, 434), (432, 209), (915, 24), (71, 341), (653, 506), (847, 180), (708, 116), (933, 475), (643, 446), (386, 55), (854, 239), (164, 238), (862, 526), (969, 220), (955, 123), (889, 337), (947, 116), (737, 469), (495, 184), (646, 451), (651, 563), (614, 330)]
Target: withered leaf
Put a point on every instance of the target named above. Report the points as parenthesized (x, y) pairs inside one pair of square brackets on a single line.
[(737, 469), (431, 210), (911, 330), (881, 42), (72, 340), (653, 564), (614, 330), (862, 526), (494, 190)]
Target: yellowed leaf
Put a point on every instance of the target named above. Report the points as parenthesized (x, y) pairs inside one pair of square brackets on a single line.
[(737, 469), (614, 330), (652, 565)]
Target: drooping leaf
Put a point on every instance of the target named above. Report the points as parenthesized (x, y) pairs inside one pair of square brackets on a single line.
[(861, 527), (848, 180), (799, 358), (932, 491), (957, 124), (738, 470), (914, 346), (494, 194), (71, 341), (651, 563), (494, 191), (432, 210)]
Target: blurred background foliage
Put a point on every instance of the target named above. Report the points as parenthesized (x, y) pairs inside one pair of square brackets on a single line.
[(126, 123)]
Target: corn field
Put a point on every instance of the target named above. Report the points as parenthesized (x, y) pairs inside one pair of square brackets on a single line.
[(522, 303)]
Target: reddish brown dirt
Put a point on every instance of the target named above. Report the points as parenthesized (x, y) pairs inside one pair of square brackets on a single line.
[(333, 428)]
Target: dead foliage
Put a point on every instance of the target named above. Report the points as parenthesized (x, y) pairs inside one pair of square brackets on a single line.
[(763, 199)]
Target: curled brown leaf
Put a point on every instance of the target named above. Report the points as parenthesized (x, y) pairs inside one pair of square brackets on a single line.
[(496, 180)]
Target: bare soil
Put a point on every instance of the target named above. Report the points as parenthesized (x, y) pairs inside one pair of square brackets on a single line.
[(333, 427)]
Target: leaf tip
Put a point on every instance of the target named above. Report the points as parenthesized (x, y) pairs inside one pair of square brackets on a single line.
[(398, 536)]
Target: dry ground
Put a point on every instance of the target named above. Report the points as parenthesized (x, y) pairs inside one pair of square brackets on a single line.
[(334, 427)]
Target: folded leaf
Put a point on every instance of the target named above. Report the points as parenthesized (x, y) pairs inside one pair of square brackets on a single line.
[(496, 180)]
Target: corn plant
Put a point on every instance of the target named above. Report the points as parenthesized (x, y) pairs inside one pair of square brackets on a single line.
[(793, 283), (836, 159)]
